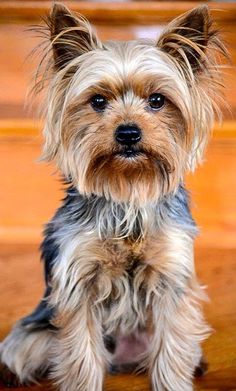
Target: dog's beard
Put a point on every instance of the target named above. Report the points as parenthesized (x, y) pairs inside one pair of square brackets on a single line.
[(130, 174)]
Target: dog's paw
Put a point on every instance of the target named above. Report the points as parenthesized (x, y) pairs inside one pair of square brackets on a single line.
[(202, 368), (8, 378)]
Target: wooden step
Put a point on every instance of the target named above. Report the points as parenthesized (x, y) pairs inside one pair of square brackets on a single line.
[(121, 12)]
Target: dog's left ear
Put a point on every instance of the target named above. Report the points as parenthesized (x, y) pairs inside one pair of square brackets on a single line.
[(187, 37), (71, 35)]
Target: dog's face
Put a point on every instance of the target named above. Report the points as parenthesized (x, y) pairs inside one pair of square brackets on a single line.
[(125, 120)]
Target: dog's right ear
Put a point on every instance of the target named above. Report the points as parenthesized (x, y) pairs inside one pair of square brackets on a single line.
[(71, 35)]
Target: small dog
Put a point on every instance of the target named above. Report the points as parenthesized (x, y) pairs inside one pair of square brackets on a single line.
[(124, 122)]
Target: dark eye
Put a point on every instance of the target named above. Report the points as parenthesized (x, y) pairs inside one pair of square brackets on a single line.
[(156, 101), (98, 102)]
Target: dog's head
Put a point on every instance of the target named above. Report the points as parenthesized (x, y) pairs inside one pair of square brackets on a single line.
[(125, 120)]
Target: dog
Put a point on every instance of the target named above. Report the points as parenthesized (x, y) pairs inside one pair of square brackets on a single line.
[(124, 123)]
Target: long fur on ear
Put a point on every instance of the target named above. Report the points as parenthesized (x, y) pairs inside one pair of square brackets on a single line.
[(190, 38), (71, 35), (195, 47)]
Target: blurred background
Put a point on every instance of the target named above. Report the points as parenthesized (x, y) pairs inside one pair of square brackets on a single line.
[(30, 192)]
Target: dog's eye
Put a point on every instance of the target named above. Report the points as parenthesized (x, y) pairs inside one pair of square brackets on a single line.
[(156, 101), (98, 102)]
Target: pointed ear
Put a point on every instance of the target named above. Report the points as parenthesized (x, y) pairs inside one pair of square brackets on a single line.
[(71, 35), (187, 37)]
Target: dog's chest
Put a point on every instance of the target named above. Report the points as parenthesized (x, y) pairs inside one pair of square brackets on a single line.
[(124, 256), (129, 273)]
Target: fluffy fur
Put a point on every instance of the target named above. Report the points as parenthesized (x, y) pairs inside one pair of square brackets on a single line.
[(121, 286)]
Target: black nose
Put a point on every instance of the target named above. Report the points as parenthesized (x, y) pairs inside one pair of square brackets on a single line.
[(128, 134)]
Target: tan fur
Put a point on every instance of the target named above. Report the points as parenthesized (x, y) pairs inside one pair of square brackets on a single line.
[(79, 357)]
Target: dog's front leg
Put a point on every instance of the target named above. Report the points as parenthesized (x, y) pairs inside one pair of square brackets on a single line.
[(79, 360), (176, 350), (178, 325)]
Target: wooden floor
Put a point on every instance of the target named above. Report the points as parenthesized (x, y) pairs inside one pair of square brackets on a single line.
[(30, 192)]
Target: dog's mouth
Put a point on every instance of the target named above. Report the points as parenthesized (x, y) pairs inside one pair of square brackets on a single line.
[(135, 155), (130, 153), (131, 162)]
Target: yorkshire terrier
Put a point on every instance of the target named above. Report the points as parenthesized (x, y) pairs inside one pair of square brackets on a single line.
[(124, 122)]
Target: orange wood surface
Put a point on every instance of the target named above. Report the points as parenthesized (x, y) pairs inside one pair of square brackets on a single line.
[(30, 191), (105, 12)]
